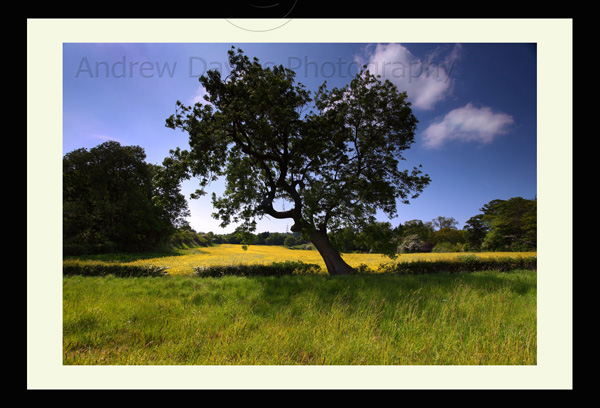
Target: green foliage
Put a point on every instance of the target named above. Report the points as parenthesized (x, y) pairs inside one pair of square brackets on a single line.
[(416, 236), (445, 246), (114, 201), (448, 239), (337, 165), (411, 244), (444, 223), (97, 268), (450, 235), (290, 241), (463, 264), (512, 225), (505, 225), (186, 237), (376, 237), (273, 269), (475, 230), (275, 238)]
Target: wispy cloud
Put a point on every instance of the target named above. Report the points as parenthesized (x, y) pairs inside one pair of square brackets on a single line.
[(105, 138), (199, 96), (468, 124), (426, 81)]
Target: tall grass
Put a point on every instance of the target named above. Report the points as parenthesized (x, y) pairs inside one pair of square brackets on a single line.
[(460, 319)]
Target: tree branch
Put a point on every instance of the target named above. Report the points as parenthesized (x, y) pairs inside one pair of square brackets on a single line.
[(267, 206)]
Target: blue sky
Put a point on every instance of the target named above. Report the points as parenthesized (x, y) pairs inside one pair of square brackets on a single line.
[(475, 102)]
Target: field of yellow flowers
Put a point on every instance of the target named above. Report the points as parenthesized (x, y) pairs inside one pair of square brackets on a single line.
[(227, 254)]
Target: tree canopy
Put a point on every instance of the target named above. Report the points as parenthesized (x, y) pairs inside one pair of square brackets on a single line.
[(114, 201), (512, 224), (333, 157)]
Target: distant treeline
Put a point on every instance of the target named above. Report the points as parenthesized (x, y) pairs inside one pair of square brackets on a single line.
[(503, 225), (187, 237)]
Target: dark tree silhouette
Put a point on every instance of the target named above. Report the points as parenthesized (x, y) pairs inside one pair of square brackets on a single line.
[(335, 166)]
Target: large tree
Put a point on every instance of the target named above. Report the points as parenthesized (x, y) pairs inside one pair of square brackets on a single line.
[(333, 158), (476, 228), (114, 201), (513, 224)]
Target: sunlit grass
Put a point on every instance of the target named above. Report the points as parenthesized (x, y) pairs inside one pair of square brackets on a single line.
[(474, 318), (485, 318)]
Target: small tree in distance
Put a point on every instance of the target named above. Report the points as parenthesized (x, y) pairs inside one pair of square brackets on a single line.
[(290, 241), (336, 165)]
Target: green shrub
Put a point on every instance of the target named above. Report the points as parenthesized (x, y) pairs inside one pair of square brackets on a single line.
[(290, 241), (463, 263), (95, 268), (273, 269)]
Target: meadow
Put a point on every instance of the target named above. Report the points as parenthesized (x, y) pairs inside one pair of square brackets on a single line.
[(184, 261), (477, 318)]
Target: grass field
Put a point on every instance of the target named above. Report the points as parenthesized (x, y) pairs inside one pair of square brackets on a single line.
[(184, 262), (486, 318)]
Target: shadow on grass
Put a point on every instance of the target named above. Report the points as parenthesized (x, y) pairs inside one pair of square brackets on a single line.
[(282, 292)]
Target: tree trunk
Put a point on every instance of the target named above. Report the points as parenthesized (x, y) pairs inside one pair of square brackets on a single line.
[(333, 260)]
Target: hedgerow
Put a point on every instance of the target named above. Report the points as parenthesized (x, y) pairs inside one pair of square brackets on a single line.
[(91, 268), (462, 264), (273, 269)]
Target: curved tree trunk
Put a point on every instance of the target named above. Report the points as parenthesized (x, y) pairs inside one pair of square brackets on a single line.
[(333, 260)]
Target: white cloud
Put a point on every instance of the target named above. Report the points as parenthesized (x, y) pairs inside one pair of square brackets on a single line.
[(425, 81), (468, 124), (105, 138), (199, 96)]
